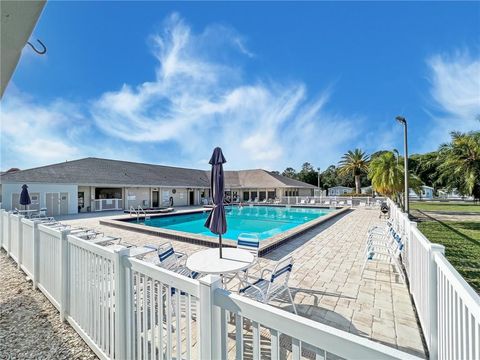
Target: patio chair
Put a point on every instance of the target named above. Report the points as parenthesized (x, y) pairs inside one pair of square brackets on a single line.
[(302, 201), (171, 260), (251, 243), (266, 289), (312, 202)]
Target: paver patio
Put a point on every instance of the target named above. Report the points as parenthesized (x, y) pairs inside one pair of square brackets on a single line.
[(326, 280)]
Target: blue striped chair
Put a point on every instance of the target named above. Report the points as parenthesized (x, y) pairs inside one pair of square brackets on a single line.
[(265, 289), (251, 243), (170, 259)]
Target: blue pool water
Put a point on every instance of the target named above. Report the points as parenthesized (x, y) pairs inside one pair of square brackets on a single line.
[(265, 221)]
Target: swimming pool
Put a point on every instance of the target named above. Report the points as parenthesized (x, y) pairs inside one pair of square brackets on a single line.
[(264, 221)]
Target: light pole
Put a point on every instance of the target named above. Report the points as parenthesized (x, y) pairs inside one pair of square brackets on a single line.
[(403, 121), (318, 179)]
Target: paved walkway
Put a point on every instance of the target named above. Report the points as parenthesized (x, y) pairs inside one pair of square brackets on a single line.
[(326, 280)]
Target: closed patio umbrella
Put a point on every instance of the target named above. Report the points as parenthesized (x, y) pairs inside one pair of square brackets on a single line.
[(216, 221), (25, 197)]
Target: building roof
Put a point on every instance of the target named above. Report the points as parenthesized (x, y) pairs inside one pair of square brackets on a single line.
[(104, 172)]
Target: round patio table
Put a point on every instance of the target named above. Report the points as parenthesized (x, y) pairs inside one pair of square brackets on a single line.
[(209, 262)]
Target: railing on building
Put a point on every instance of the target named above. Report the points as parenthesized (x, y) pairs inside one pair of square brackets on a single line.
[(107, 204), (128, 308)]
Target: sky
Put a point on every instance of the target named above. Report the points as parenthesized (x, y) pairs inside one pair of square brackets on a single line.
[(274, 84)]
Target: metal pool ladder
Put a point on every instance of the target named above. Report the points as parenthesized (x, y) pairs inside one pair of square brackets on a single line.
[(138, 211)]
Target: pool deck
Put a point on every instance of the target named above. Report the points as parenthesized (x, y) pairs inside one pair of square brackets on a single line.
[(326, 280)]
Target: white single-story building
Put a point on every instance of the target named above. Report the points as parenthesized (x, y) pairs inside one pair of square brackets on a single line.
[(339, 190), (94, 184), (426, 193), (452, 194), (367, 190)]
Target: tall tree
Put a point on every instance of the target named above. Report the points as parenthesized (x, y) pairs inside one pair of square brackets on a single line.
[(355, 163), (290, 172), (460, 163), (387, 175), (328, 178), (308, 174), (426, 167)]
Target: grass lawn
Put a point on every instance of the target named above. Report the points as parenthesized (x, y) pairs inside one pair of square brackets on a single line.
[(462, 246), (432, 206)]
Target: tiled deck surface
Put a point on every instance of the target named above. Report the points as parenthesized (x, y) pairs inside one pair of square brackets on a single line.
[(326, 281)]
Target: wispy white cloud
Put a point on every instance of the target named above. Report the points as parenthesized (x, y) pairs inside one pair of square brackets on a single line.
[(455, 91), (197, 101), (200, 98)]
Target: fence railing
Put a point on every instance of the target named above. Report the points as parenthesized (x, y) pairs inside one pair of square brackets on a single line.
[(127, 308), (349, 201), (447, 307), (279, 334), (107, 204)]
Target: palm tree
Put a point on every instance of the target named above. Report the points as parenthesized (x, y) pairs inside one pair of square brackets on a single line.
[(460, 163), (356, 163), (387, 175)]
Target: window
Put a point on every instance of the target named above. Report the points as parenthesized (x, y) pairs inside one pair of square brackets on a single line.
[(262, 195), (271, 195), (108, 193), (246, 196)]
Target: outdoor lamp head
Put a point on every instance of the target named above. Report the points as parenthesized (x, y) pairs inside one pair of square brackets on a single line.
[(401, 119)]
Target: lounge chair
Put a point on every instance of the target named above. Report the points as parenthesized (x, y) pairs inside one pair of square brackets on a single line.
[(312, 202), (388, 246), (303, 201), (266, 289)]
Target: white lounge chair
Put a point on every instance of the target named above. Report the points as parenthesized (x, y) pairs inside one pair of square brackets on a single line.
[(266, 289), (312, 202), (388, 247)]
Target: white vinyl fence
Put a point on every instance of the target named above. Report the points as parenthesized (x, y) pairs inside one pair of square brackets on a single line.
[(28, 242), (448, 308), (332, 201), (107, 204), (126, 308)]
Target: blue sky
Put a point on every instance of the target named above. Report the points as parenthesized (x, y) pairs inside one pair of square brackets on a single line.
[(277, 83)]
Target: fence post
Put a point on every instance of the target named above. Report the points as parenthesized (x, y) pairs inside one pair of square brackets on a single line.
[(120, 304), (64, 260), (210, 319), (20, 241), (433, 300), (9, 234), (36, 260), (1, 228)]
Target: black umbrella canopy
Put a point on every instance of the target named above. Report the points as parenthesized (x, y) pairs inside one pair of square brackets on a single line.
[(216, 221), (24, 196)]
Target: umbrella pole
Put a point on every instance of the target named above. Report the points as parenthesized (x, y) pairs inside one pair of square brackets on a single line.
[(220, 241)]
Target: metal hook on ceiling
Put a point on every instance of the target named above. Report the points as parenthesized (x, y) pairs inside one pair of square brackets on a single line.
[(40, 52)]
